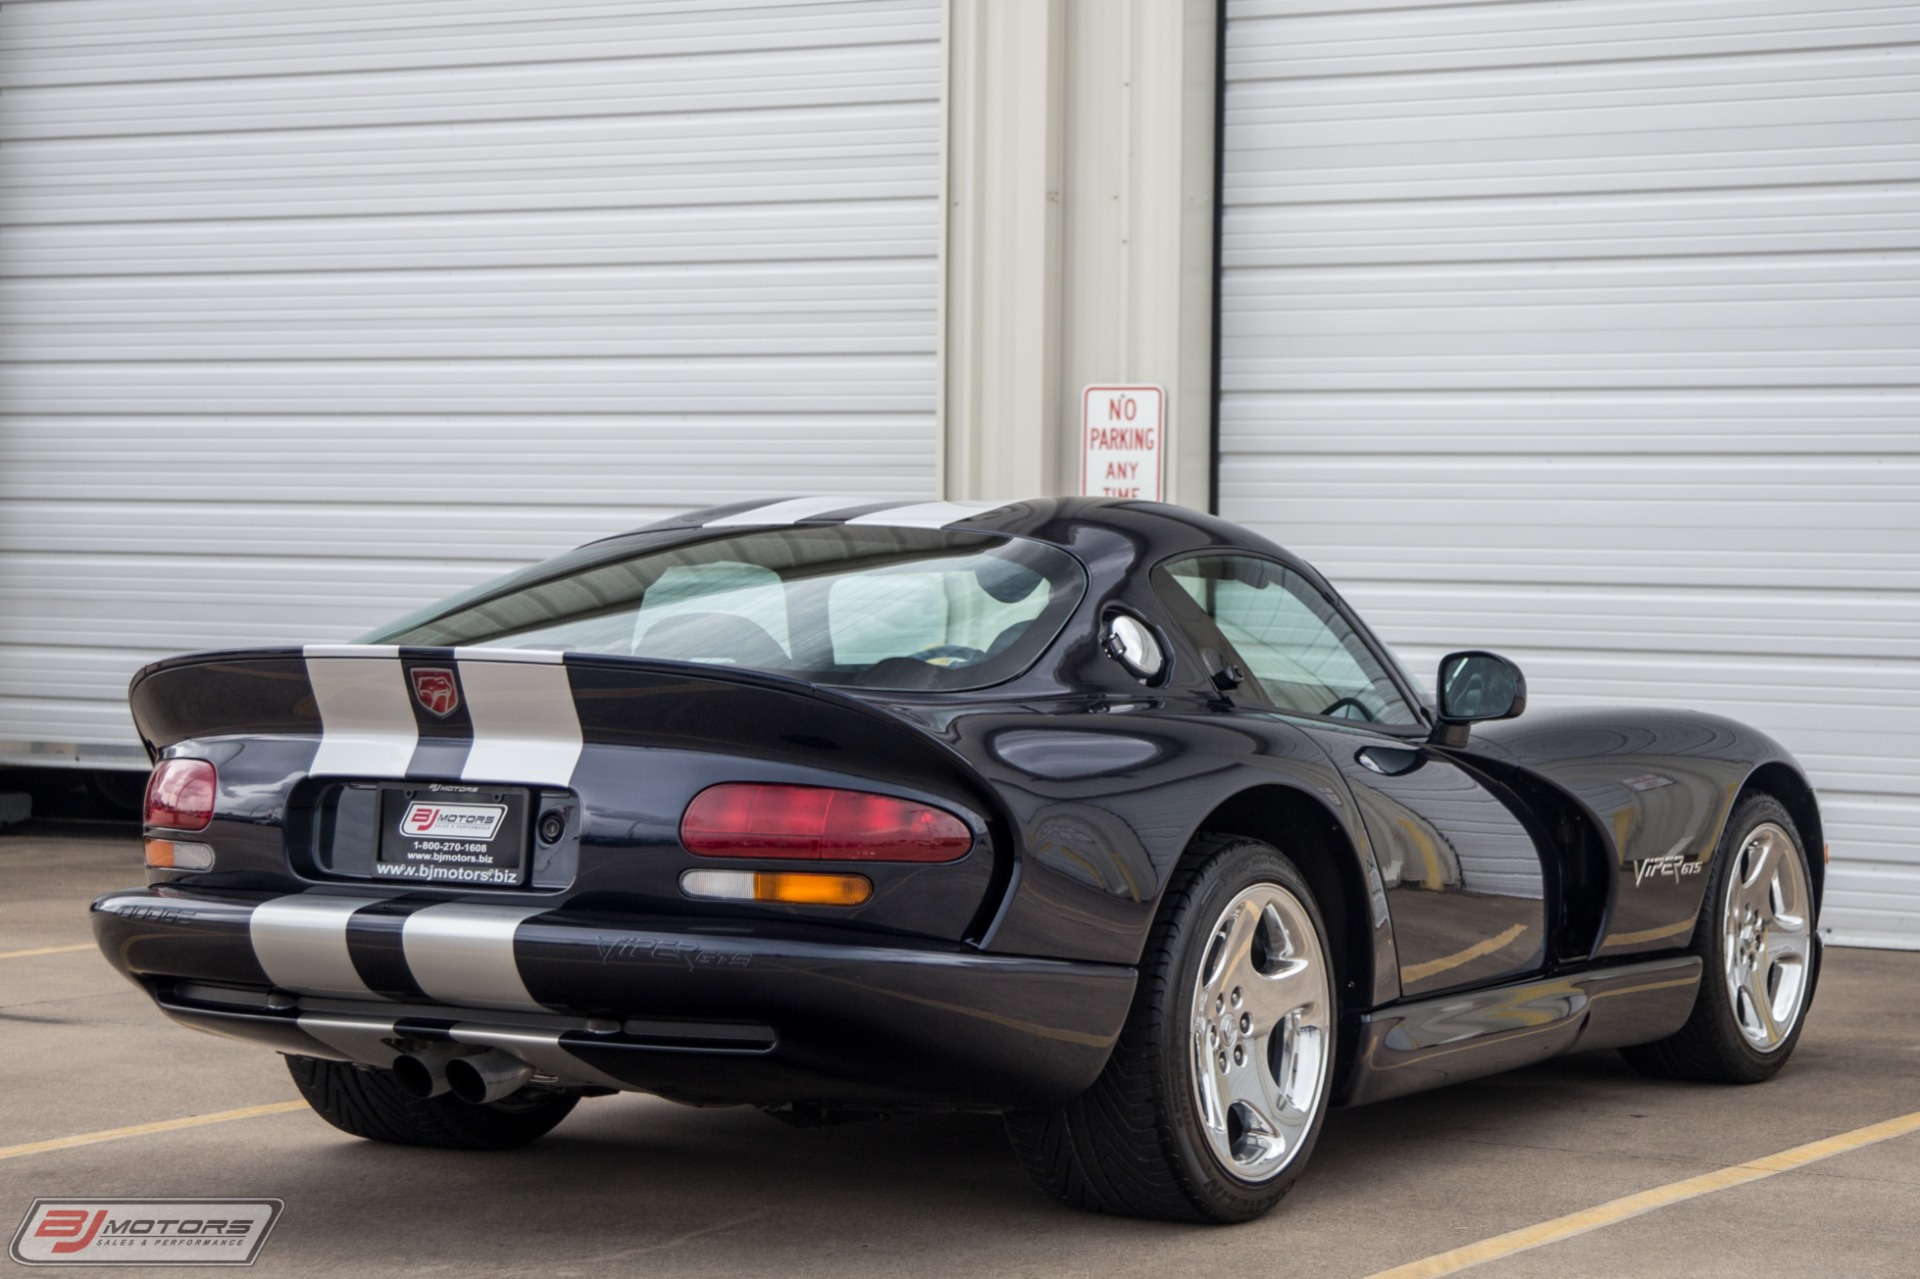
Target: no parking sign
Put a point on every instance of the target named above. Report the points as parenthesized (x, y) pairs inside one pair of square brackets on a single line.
[(1122, 441)]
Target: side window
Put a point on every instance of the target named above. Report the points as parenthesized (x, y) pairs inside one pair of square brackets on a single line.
[(1287, 636)]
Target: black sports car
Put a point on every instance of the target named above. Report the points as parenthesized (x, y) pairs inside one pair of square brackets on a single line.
[(1104, 814)]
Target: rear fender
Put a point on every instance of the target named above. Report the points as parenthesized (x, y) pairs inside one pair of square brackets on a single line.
[(1105, 798)]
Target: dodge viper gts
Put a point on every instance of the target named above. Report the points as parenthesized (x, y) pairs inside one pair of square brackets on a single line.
[(1104, 815)]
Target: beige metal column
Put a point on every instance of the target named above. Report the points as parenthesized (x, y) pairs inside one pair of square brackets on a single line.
[(1079, 232)]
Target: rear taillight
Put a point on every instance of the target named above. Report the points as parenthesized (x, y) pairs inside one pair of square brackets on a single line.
[(819, 823), (180, 795)]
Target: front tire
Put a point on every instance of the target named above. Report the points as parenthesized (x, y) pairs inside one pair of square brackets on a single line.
[(1758, 953), (370, 1103), (1211, 1103)]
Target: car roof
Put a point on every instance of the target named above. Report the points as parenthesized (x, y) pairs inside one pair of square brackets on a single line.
[(1046, 519)]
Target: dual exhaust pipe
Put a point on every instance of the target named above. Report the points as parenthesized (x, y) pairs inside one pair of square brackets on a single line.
[(476, 1078)]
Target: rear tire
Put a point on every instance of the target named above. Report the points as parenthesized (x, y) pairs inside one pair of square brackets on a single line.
[(1760, 959), (1205, 1113), (370, 1103)]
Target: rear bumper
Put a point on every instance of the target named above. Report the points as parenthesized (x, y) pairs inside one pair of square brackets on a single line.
[(735, 1014)]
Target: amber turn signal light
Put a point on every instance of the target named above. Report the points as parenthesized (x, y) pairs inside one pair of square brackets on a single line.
[(168, 854), (790, 888)]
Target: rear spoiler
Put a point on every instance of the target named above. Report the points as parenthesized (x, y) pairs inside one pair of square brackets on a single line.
[(520, 714)]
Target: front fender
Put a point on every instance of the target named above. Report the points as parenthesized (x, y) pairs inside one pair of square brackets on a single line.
[(1658, 787)]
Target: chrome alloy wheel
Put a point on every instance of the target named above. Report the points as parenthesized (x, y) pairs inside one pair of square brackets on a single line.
[(1262, 1031), (1768, 927)]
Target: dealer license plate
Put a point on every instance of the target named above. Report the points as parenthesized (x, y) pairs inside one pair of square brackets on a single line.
[(441, 834)]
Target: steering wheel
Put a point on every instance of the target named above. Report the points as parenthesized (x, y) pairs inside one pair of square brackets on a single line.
[(958, 652), (1349, 704)]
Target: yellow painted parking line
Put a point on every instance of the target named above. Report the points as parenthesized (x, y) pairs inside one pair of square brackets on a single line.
[(1606, 1214), (141, 1130), (46, 950)]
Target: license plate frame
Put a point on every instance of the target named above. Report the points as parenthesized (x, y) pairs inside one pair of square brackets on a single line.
[(461, 836)]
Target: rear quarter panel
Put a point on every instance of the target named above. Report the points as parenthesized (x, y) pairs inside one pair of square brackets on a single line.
[(1106, 797)]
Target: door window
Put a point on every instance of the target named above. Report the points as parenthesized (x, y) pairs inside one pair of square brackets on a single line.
[(1290, 640)]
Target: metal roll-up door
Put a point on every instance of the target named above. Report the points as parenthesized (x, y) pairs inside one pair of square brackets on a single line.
[(1591, 332), (310, 314)]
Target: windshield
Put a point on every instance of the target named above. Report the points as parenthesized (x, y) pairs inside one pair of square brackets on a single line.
[(866, 607)]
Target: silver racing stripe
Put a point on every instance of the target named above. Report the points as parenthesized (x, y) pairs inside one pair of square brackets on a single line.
[(525, 726), (355, 1038), (927, 514), (526, 730), (462, 954), (301, 944), (367, 727), (791, 511)]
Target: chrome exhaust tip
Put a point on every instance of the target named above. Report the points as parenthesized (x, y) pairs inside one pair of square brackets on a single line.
[(422, 1075), (486, 1077)]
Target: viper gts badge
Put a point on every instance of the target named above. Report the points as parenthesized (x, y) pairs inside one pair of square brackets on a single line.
[(435, 689), (1670, 866)]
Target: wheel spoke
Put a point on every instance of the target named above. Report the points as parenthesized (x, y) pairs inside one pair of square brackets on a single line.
[(1235, 948), (1299, 1064), (1744, 1011), (1757, 883), (1762, 1000), (1788, 948), (1245, 1084), (1291, 987), (1206, 1078), (1261, 1137)]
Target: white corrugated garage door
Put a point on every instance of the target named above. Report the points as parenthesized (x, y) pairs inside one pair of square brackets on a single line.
[(310, 313), (1591, 331)]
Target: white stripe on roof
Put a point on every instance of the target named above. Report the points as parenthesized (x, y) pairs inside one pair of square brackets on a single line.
[(927, 514), (791, 511)]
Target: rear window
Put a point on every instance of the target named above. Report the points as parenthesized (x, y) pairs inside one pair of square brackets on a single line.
[(889, 608)]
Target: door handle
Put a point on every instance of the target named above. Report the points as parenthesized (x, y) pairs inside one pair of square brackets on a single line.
[(1390, 761)]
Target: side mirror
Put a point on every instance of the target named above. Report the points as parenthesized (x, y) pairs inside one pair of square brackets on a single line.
[(1130, 642), (1226, 676), (1476, 686)]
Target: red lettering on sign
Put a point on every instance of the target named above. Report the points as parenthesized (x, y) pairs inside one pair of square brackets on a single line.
[(71, 1225), (1120, 441)]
